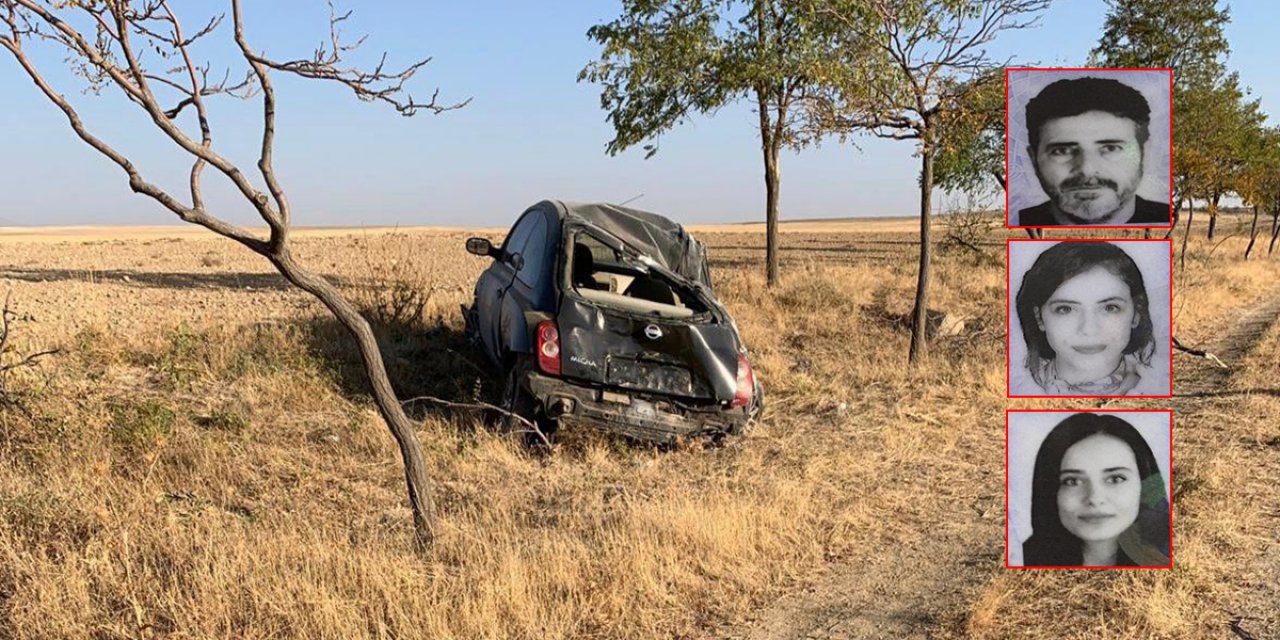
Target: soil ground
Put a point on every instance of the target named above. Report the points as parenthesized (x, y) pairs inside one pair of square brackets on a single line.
[(884, 487), (905, 594)]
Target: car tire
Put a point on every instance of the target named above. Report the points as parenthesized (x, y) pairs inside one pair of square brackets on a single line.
[(517, 400)]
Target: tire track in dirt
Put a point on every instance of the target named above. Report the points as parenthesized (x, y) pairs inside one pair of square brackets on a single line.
[(1203, 394), (902, 592), (905, 591), (1230, 348)]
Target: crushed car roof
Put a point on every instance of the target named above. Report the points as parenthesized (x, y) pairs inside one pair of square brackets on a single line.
[(657, 237)]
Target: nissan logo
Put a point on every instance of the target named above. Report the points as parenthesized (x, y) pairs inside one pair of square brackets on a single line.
[(653, 332)]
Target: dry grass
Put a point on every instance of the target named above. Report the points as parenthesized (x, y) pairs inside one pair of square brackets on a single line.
[(1224, 477), (192, 473)]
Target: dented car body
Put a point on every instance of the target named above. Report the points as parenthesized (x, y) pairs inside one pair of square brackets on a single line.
[(605, 315)]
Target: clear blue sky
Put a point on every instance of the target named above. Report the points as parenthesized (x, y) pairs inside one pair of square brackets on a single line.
[(531, 131)]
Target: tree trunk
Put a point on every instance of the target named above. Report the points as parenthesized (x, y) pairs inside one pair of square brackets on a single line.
[(1213, 215), (919, 350), (1182, 259), (415, 467), (1177, 210), (1253, 233), (1275, 230), (771, 215), (770, 142)]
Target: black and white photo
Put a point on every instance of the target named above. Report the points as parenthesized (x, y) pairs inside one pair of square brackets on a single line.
[(1089, 318), (1089, 489), (1088, 147)]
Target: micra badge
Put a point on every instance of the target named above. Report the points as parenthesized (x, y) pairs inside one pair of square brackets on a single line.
[(583, 361), (653, 332)]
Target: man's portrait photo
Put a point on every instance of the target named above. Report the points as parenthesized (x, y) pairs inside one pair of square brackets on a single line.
[(1088, 147)]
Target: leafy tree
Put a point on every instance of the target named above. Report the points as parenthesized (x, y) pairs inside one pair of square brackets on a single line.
[(1183, 35), (1186, 36), (895, 75), (1224, 155), (972, 156), (141, 49), (664, 61), (1259, 181)]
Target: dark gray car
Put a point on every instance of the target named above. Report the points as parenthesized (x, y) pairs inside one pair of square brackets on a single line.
[(604, 314)]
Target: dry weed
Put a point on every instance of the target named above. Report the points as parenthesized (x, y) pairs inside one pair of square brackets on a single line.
[(227, 477)]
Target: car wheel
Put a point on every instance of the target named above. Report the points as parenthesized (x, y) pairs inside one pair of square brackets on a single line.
[(516, 400)]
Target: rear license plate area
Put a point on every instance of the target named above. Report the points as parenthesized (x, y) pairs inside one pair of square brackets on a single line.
[(649, 376)]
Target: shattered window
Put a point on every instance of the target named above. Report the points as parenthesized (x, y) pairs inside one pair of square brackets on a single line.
[(606, 276)]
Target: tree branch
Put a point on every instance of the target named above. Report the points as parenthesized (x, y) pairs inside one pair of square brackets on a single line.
[(202, 116), (136, 181), (279, 227), (376, 85)]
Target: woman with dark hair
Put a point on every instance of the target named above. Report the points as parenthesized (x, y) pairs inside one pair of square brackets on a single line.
[(1097, 498), (1086, 319)]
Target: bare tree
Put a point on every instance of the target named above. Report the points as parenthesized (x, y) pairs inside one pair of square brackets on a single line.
[(119, 53), (902, 67)]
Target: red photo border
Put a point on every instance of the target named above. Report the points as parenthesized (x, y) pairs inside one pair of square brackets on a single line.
[(1168, 486), (1008, 150), (1008, 311)]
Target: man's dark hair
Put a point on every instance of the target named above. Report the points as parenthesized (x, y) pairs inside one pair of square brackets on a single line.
[(1066, 98)]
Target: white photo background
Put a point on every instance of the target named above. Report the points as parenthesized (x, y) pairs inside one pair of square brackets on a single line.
[(1027, 429), (1024, 188), (1153, 260)]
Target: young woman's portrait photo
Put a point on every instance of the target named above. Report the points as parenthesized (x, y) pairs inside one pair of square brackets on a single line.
[(1088, 489), (1089, 318)]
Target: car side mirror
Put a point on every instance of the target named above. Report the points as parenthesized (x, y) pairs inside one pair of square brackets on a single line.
[(481, 247)]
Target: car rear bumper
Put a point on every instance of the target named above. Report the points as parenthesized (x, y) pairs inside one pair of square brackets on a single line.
[(622, 412)]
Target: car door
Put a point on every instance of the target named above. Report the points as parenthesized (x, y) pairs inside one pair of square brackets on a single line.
[(493, 284), (525, 290)]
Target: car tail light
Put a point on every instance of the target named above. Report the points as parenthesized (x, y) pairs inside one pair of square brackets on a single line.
[(548, 347), (746, 384)]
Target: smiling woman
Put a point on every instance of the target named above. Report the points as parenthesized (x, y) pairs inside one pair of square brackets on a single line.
[(1087, 318), (1098, 496)]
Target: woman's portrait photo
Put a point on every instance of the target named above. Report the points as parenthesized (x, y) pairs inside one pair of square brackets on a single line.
[(1089, 318), (1088, 489)]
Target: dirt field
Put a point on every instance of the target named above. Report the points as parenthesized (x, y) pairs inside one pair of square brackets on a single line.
[(200, 459)]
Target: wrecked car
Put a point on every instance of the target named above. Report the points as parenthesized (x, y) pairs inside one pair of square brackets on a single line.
[(604, 315)]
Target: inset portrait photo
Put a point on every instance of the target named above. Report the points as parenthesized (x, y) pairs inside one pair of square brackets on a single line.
[(1088, 490), (1090, 318), (1089, 147)]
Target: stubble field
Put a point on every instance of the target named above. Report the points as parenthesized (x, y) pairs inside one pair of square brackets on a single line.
[(200, 458)]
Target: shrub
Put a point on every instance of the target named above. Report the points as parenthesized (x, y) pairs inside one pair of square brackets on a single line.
[(141, 425)]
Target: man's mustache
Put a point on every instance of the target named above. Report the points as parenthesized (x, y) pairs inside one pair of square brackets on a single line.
[(1081, 182)]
